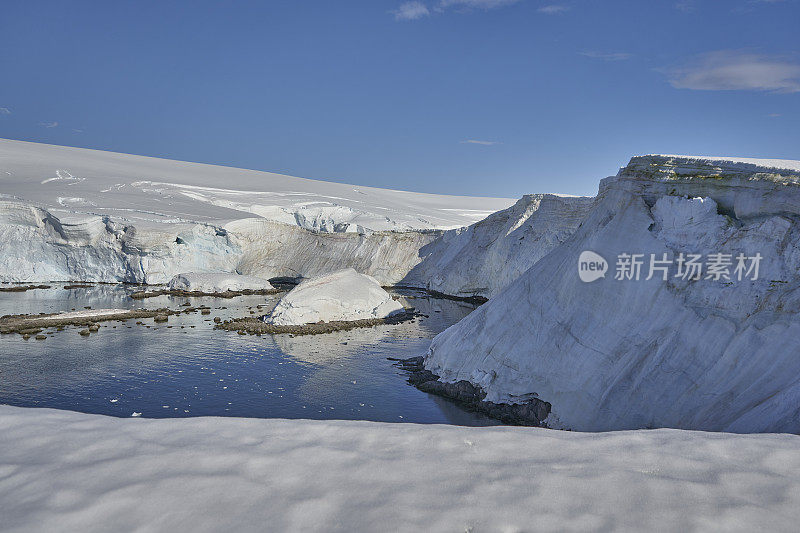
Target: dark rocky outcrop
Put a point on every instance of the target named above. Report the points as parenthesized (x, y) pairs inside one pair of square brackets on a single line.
[(532, 412)]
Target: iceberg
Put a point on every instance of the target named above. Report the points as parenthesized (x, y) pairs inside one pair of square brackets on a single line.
[(341, 296)]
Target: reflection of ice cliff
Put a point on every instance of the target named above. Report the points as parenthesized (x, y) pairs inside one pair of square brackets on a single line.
[(613, 354)]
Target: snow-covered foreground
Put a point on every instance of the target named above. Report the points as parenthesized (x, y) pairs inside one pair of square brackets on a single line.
[(63, 471)]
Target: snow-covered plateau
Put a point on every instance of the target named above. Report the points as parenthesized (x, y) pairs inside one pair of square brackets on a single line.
[(344, 295), (76, 214), (712, 354), (64, 471), (217, 282)]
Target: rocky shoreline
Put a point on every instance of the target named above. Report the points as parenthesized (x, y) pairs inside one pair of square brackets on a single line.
[(28, 325), (140, 295), (532, 412), (255, 326)]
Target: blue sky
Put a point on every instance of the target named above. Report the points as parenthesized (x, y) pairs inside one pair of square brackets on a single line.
[(475, 97)]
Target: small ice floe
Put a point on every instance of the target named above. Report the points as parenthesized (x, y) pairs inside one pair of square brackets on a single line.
[(135, 414)]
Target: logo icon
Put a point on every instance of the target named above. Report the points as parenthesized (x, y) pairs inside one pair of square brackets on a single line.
[(591, 266)]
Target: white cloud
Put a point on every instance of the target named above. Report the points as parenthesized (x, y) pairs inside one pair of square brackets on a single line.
[(411, 11), (478, 4), (553, 9), (5, 111), (416, 10), (482, 143), (613, 56), (731, 70), (49, 124)]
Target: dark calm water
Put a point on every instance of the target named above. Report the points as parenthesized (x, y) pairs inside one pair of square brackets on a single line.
[(190, 369)]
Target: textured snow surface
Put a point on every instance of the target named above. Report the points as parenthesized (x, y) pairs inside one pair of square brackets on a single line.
[(136, 189), (488, 255), (623, 354), (64, 471), (217, 282), (344, 295)]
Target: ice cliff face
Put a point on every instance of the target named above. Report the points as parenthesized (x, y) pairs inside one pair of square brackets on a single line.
[(74, 214), (38, 246), (712, 354), (485, 257)]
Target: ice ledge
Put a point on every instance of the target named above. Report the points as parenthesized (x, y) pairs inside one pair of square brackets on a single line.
[(680, 167)]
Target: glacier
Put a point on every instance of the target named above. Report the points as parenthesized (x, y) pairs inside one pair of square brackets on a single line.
[(76, 214), (709, 354)]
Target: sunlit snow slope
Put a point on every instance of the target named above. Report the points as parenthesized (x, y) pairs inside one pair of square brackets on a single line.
[(144, 189)]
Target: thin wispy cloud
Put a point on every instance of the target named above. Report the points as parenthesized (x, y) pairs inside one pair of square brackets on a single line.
[(5, 111), (774, 115), (482, 143), (731, 70), (476, 4), (416, 10), (613, 56), (411, 11), (687, 6), (553, 9), (49, 124)]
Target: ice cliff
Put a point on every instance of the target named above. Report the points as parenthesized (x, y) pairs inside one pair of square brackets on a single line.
[(485, 257), (75, 214), (709, 353)]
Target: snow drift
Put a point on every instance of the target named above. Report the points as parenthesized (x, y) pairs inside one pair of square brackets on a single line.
[(344, 295), (67, 471), (713, 354)]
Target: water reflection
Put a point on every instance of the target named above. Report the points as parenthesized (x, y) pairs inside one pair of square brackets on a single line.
[(186, 368)]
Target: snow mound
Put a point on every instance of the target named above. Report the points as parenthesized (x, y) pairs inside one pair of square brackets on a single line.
[(711, 354), (217, 282), (65, 471), (344, 295)]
